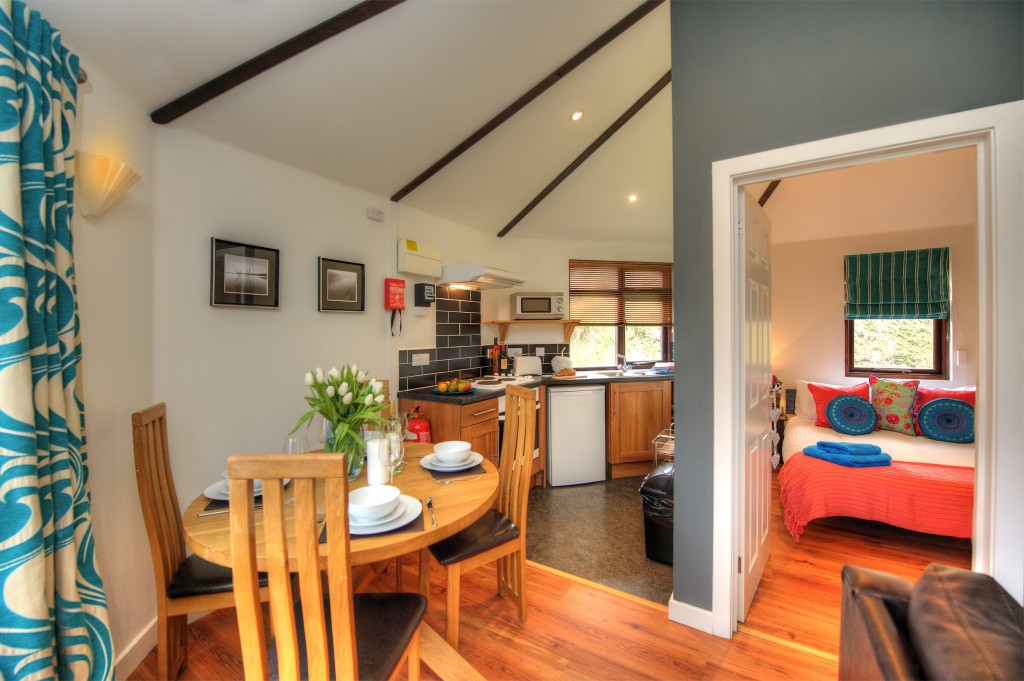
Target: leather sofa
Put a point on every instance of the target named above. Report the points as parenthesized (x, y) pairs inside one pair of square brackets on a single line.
[(950, 624)]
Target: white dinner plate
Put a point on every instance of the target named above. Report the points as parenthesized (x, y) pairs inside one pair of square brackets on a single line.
[(398, 510), (410, 507), (431, 464), (218, 491)]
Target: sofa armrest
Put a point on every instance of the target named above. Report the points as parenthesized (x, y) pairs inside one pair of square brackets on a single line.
[(873, 638)]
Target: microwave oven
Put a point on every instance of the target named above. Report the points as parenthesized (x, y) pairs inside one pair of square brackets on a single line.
[(538, 306)]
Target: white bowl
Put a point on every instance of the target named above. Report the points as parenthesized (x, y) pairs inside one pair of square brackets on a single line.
[(453, 451), (372, 502)]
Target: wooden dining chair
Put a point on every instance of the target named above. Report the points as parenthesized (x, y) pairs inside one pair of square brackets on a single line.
[(500, 534), (361, 636), (184, 583)]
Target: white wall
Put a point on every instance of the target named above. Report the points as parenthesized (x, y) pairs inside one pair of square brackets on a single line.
[(808, 333), (114, 263)]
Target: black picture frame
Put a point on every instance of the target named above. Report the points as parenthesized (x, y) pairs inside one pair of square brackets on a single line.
[(243, 275), (342, 286)]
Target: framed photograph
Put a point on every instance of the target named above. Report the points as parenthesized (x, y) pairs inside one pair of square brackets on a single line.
[(243, 275), (342, 287)]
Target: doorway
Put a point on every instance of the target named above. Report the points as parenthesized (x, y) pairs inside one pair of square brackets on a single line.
[(999, 167)]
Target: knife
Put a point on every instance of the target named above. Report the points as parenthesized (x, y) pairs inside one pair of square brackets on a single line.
[(430, 510)]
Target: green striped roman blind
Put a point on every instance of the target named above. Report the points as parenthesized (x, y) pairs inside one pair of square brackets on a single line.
[(898, 285)]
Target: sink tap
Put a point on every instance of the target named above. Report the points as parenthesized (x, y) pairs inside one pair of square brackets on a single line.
[(625, 367)]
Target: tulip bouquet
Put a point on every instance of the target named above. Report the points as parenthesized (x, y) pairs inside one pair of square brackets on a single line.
[(347, 400)]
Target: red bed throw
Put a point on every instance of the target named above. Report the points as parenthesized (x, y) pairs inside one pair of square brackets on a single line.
[(917, 496)]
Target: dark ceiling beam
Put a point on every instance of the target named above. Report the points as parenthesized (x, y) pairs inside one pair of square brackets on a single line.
[(323, 31), (595, 145), (768, 192), (563, 70)]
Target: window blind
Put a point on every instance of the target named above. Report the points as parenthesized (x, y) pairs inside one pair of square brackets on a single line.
[(898, 285), (620, 293)]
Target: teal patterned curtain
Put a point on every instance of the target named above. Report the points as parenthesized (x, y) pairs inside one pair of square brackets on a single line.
[(53, 610), (898, 285)]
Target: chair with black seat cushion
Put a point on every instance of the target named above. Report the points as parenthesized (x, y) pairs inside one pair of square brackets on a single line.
[(500, 534), (184, 584), (338, 635)]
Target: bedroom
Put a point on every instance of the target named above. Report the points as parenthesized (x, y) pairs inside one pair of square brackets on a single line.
[(918, 202)]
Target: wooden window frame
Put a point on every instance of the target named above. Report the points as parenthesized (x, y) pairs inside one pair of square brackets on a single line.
[(940, 357)]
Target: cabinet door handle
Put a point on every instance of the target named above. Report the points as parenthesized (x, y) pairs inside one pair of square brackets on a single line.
[(485, 411)]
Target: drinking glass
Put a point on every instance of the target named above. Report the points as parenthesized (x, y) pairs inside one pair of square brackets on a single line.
[(295, 443)]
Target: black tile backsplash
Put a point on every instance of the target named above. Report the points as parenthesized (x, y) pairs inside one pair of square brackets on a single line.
[(460, 351)]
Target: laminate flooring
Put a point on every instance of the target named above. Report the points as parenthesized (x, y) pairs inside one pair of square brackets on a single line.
[(596, 532)]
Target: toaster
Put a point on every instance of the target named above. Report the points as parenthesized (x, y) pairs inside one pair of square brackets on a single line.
[(527, 365)]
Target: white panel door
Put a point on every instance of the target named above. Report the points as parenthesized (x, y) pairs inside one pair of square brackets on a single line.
[(757, 434)]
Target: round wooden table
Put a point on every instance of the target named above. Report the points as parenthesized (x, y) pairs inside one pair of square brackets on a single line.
[(456, 506)]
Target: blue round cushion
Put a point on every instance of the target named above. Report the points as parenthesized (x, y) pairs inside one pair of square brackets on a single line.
[(947, 420), (851, 415)]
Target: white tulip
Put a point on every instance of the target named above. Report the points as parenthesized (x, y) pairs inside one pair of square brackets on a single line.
[(354, 369), (308, 378), (361, 377), (379, 399), (331, 392), (375, 386), (319, 375), (347, 399), (343, 388), (368, 401), (334, 373)]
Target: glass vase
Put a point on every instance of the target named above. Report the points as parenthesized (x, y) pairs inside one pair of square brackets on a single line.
[(354, 456)]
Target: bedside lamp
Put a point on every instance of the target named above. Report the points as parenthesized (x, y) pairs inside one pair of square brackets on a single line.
[(101, 182)]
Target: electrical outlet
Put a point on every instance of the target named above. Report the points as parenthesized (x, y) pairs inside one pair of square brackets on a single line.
[(539, 352), (514, 352), (420, 359)]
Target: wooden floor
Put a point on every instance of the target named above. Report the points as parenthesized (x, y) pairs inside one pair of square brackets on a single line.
[(581, 631)]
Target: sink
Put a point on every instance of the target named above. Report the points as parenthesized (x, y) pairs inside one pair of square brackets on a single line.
[(611, 373)]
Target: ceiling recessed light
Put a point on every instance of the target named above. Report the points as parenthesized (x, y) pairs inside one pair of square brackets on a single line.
[(576, 115), (631, 198)]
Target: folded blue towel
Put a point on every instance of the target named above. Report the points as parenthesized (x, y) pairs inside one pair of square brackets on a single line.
[(853, 461), (850, 448)]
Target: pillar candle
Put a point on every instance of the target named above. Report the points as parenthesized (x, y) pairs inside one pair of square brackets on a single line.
[(378, 468)]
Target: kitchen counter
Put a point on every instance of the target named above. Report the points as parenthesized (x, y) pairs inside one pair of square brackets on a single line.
[(582, 377)]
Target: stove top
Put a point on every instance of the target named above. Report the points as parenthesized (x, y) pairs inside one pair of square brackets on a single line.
[(499, 382)]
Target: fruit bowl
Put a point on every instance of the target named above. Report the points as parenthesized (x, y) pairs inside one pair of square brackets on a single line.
[(454, 392)]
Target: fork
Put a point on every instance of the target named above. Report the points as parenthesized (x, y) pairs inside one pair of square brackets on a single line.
[(451, 480)]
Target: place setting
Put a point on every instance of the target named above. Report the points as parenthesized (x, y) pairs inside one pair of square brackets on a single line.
[(380, 507), (452, 459)]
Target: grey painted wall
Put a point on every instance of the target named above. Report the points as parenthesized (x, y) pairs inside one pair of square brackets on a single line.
[(751, 76)]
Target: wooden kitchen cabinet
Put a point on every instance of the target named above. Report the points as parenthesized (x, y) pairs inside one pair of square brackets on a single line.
[(637, 412), (476, 423)]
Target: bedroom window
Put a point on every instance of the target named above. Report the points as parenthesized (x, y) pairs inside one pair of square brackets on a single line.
[(625, 308), (897, 314)]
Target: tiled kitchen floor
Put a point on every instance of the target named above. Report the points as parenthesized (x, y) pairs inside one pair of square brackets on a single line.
[(596, 532)]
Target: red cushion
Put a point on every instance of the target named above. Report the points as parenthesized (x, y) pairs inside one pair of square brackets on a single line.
[(823, 394), (926, 395)]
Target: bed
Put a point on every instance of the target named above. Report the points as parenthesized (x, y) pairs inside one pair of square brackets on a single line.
[(928, 488)]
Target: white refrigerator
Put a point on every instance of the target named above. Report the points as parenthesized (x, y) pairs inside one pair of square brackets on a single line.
[(576, 434)]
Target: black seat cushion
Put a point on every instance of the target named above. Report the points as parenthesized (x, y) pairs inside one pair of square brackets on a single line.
[(199, 577), (492, 529), (385, 623), (964, 625)]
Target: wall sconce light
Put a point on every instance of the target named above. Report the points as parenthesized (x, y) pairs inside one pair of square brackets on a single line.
[(101, 182)]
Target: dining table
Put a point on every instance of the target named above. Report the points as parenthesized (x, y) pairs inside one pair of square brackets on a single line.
[(459, 498)]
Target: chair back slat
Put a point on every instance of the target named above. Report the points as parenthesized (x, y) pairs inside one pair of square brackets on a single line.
[(517, 453), (289, 529), (157, 495)]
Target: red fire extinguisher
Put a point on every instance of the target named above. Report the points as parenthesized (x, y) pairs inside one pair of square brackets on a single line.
[(418, 425)]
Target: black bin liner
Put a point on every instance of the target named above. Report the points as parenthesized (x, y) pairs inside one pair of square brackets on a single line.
[(658, 502)]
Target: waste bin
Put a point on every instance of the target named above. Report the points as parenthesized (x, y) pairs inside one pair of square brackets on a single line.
[(658, 501)]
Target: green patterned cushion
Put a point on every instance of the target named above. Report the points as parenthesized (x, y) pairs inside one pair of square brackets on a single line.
[(893, 402)]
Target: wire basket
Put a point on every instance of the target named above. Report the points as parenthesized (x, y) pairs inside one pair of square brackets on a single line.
[(665, 446)]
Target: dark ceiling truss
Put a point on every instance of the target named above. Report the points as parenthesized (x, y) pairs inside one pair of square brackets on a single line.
[(594, 146), (768, 192), (615, 31), (314, 36)]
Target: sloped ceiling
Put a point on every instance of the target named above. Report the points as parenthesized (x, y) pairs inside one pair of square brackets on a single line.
[(378, 104)]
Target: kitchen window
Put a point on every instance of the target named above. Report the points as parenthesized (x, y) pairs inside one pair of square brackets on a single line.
[(625, 308)]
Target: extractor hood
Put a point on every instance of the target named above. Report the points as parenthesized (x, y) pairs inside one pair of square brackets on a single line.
[(474, 276)]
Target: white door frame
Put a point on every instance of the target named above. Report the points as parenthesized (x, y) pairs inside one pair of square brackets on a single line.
[(997, 133)]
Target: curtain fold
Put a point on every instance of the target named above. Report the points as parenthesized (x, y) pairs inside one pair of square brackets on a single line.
[(898, 285), (53, 609)]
